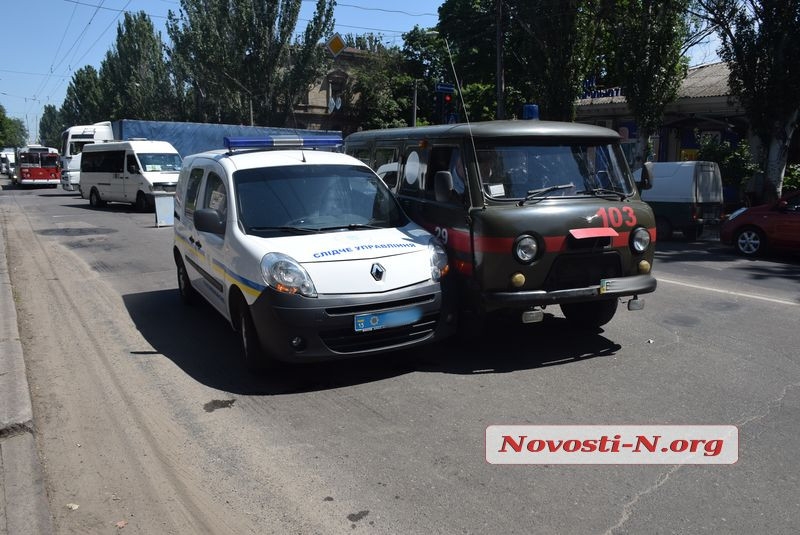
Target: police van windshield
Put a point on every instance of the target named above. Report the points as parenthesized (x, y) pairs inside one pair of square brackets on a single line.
[(531, 171), (313, 198)]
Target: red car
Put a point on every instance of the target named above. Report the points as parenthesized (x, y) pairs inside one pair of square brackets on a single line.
[(768, 226)]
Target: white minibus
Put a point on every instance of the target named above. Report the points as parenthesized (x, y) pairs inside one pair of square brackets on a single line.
[(128, 171)]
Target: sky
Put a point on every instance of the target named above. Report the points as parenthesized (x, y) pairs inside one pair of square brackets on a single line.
[(40, 59)]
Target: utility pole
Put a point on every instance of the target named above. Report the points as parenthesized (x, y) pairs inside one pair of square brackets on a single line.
[(500, 76)]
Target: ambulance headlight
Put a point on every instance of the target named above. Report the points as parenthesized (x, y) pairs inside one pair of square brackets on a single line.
[(640, 240), (284, 274), (438, 255), (525, 249)]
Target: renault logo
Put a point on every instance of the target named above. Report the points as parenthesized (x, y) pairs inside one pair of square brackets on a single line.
[(377, 272)]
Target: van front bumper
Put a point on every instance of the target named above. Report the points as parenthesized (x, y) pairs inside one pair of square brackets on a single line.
[(299, 329), (615, 287)]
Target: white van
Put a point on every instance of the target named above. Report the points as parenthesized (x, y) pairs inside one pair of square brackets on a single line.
[(306, 253), (128, 171), (684, 196)]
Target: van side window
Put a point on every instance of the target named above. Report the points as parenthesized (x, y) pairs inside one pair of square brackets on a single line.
[(386, 165), (215, 196), (362, 154), (413, 171), (192, 187), (130, 164), (446, 159)]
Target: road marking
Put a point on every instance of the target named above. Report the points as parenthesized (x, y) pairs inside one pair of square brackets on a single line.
[(738, 294)]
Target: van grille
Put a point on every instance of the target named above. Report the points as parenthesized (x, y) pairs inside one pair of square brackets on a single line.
[(380, 306), (579, 271), (348, 341)]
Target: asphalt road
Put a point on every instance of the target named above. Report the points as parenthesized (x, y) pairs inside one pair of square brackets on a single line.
[(145, 416)]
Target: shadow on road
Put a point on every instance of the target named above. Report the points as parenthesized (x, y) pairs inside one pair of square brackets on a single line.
[(202, 344)]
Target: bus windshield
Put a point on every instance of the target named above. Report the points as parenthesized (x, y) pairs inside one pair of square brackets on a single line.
[(521, 171)]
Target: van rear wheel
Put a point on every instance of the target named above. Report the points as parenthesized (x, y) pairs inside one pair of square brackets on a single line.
[(590, 315)]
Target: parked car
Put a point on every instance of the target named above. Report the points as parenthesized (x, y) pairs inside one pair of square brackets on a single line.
[(768, 226)]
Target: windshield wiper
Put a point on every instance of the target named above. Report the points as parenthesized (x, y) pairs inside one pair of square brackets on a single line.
[(605, 191), (534, 193), (291, 229), (350, 226)]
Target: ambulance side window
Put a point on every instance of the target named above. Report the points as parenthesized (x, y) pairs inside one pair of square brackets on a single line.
[(412, 172), (192, 187)]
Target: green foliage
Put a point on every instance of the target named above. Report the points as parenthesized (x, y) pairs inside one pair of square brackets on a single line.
[(647, 41), (791, 178), (50, 127), (735, 164), (83, 103), (12, 131), (231, 56), (378, 93), (133, 78)]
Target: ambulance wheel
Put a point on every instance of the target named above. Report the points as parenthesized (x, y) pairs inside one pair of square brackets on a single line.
[(255, 358), (185, 289), (590, 315), (141, 202), (94, 199)]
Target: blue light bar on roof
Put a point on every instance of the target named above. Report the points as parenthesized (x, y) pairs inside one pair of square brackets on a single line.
[(282, 142)]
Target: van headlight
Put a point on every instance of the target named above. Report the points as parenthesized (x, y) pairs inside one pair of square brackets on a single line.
[(438, 256), (525, 249), (640, 240), (284, 274)]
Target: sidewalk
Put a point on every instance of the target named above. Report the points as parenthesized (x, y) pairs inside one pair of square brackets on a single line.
[(23, 503)]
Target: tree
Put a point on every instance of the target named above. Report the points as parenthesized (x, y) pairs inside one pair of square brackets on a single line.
[(83, 103), (647, 37), (50, 127), (234, 56), (133, 76), (12, 131), (761, 45)]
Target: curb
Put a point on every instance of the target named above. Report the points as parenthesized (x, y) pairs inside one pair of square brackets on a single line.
[(24, 508)]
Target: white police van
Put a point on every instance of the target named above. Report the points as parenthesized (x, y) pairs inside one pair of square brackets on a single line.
[(305, 252)]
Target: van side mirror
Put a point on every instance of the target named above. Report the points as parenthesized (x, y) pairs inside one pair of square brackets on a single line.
[(209, 220), (646, 178), (443, 186)]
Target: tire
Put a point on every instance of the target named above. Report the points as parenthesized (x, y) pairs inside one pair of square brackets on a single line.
[(590, 315), (185, 289), (141, 202), (663, 229), (94, 199), (750, 242), (255, 358)]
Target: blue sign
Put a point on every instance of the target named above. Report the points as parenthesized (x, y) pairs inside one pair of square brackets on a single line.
[(445, 88)]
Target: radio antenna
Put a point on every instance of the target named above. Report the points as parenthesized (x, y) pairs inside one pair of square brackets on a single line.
[(463, 104)]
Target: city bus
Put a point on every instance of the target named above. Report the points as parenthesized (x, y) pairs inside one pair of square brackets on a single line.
[(533, 214), (37, 166)]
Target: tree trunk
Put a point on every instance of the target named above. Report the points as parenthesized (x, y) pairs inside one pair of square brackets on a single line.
[(776, 158)]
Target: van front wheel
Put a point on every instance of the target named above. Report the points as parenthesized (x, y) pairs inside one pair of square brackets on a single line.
[(141, 202), (590, 315), (255, 358), (94, 199)]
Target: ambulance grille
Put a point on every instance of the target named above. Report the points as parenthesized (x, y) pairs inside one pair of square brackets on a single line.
[(580, 271), (347, 341)]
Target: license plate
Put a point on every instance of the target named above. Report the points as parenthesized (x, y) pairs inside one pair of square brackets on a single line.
[(384, 320)]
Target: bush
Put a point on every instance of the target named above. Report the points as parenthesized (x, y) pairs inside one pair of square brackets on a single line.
[(791, 178), (735, 164)]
